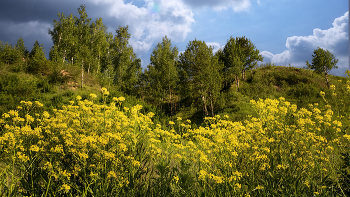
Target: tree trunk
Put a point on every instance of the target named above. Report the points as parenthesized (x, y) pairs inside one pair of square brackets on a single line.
[(205, 106), (82, 73), (98, 65), (237, 83), (325, 72), (243, 74), (64, 56), (59, 40), (211, 106)]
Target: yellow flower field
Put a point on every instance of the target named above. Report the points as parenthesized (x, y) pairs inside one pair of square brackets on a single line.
[(90, 149)]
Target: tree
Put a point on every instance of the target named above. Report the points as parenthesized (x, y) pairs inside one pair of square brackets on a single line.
[(238, 55), (37, 61), (233, 58), (21, 48), (214, 80), (8, 54), (107, 67), (99, 42), (322, 62), (165, 77), (64, 36), (127, 66), (84, 36), (250, 55), (200, 73)]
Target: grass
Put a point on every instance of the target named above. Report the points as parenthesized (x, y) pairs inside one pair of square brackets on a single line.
[(289, 146), (91, 149)]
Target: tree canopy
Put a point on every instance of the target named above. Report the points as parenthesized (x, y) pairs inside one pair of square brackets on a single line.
[(194, 77), (322, 62)]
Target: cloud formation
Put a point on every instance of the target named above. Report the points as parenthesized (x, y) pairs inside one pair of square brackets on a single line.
[(300, 48), (33, 30), (149, 23), (236, 5), (216, 46)]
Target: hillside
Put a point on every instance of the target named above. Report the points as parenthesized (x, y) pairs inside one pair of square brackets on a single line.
[(274, 147), (60, 85)]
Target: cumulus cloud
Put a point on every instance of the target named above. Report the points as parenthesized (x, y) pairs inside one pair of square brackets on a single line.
[(149, 23), (300, 48), (216, 46), (236, 5)]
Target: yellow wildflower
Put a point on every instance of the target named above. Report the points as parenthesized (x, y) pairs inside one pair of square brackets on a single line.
[(176, 179), (93, 96), (34, 148), (322, 94), (65, 188), (111, 174), (259, 187)]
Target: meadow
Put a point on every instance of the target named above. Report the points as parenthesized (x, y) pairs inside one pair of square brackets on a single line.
[(92, 148)]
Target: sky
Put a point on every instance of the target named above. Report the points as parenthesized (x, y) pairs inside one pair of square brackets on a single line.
[(284, 31)]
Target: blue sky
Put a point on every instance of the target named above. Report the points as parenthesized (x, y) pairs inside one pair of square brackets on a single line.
[(285, 31)]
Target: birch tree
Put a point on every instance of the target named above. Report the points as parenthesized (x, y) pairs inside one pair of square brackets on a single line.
[(233, 57), (127, 66), (84, 37), (322, 62), (200, 73), (99, 43), (250, 55), (164, 84)]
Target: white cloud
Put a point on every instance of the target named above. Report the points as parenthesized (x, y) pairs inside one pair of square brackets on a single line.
[(148, 24), (215, 45), (236, 5), (300, 48), (152, 20)]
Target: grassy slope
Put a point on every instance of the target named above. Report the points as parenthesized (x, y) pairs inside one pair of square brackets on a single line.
[(298, 86)]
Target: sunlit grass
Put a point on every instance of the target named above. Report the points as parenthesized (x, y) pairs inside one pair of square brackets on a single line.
[(91, 149)]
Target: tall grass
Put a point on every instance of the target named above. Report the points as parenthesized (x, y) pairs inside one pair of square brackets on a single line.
[(89, 148)]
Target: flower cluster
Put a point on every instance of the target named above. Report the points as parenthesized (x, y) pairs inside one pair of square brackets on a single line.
[(87, 148)]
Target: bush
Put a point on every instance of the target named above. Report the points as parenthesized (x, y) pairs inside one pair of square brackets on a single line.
[(97, 149)]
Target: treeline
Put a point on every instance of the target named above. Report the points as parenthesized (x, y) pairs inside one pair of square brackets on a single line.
[(196, 78)]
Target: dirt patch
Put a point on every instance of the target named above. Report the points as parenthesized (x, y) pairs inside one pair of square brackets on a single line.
[(277, 88), (64, 73), (71, 84)]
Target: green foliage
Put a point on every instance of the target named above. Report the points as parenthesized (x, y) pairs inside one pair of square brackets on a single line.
[(37, 63), (233, 59), (9, 54), (322, 62), (126, 67), (162, 76), (200, 74), (238, 55), (191, 86), (98, 149)]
